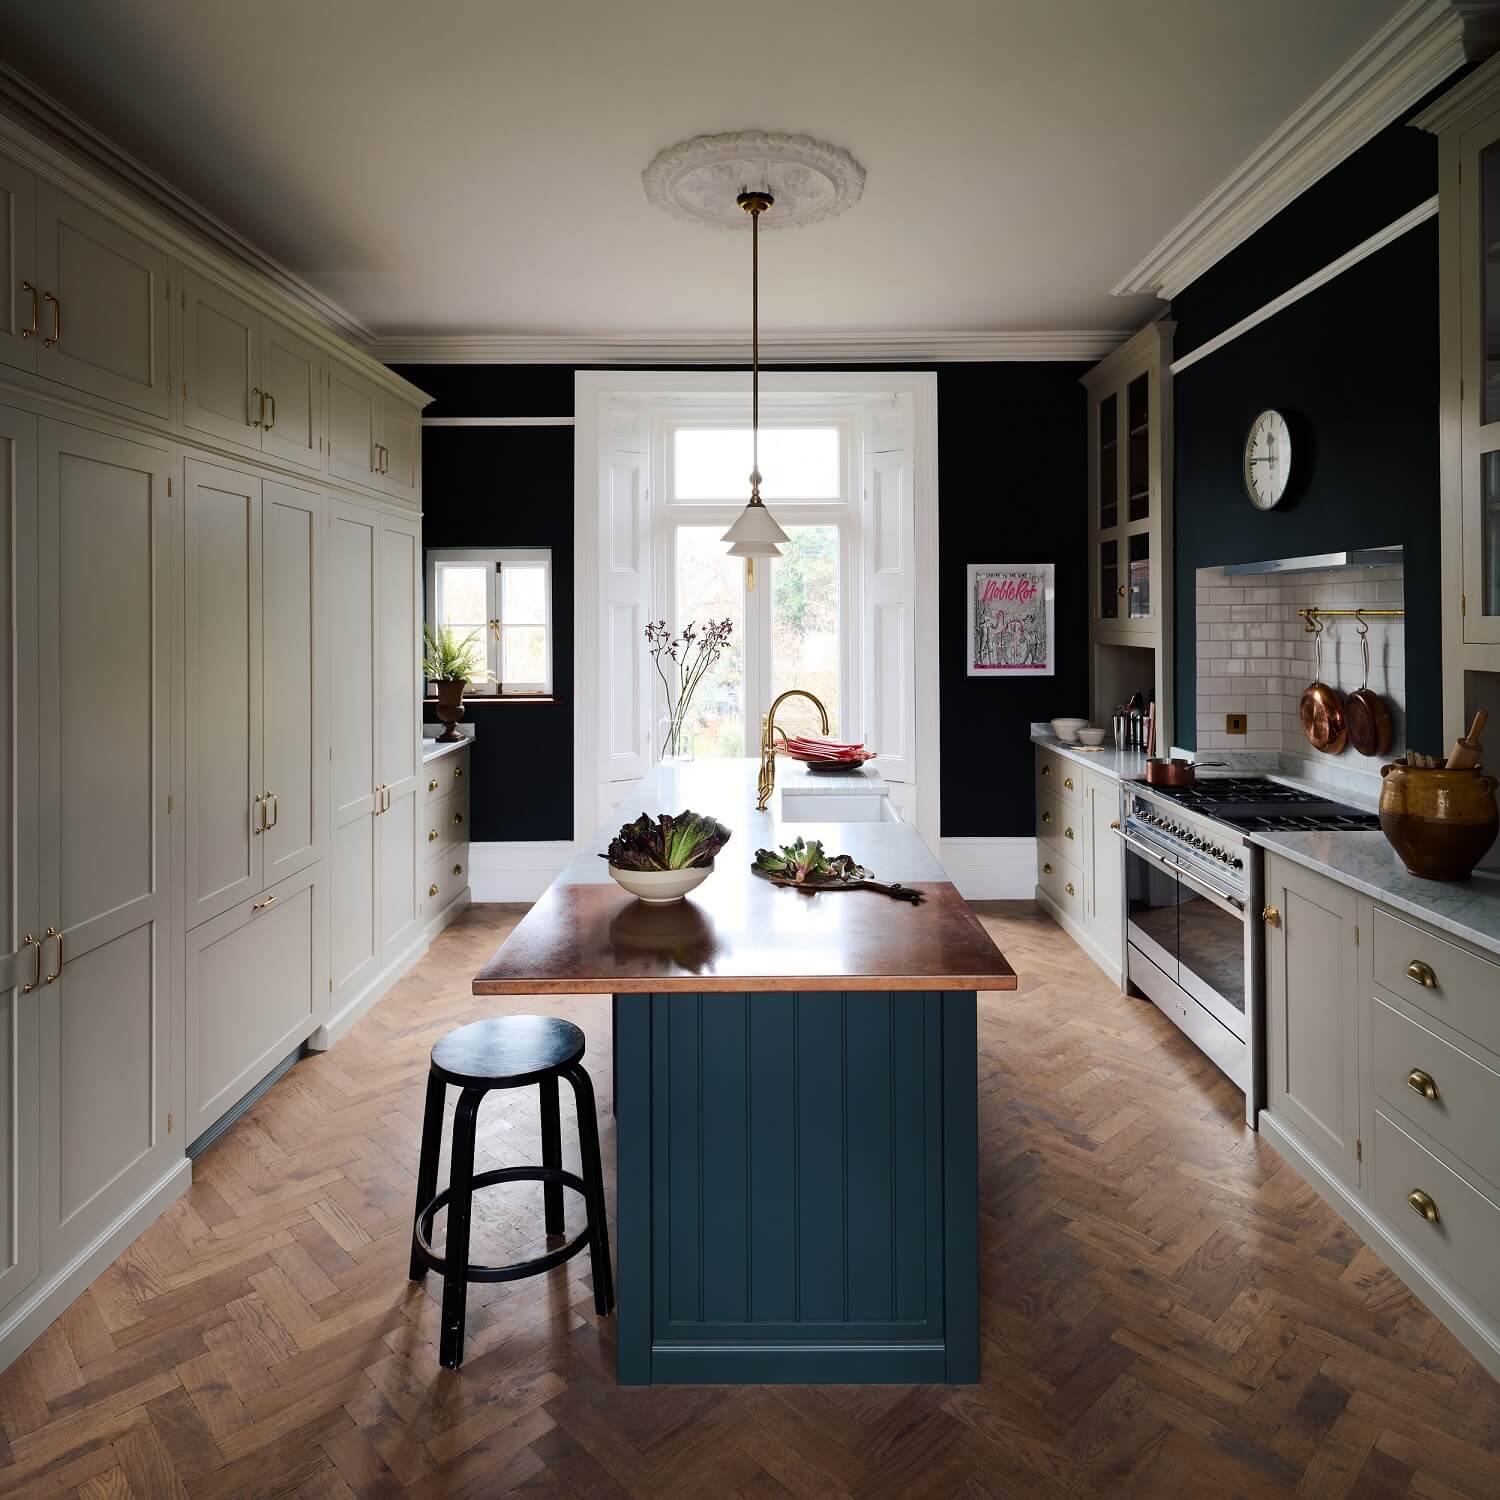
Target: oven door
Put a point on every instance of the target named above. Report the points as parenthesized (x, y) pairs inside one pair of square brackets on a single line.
[(1212, 962), (1152, 894)]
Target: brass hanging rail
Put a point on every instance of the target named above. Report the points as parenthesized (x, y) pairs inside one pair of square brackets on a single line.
[(1312, 615)]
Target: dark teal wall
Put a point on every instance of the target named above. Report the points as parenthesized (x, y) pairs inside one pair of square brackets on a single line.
[(1354, 368)]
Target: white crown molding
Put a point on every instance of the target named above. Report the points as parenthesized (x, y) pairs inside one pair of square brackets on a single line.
[(56, 126), (1407, 58), (733, 348), (1458, 100)]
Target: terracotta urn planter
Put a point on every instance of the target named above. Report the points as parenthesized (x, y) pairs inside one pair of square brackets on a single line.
[(1440, 822), (450, 707)]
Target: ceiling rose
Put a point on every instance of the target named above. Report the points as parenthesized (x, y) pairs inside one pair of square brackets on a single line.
[(702, 178)]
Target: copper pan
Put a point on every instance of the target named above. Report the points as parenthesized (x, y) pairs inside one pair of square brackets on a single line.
[(1321, 710), (1365, 711)]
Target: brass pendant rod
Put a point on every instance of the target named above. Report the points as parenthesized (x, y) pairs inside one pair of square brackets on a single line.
[(755, 350)]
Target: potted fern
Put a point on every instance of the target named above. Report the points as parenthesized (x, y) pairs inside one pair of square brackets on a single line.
[(451, 664)]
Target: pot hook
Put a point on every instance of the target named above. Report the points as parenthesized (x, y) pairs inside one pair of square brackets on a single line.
[(1363, 626)]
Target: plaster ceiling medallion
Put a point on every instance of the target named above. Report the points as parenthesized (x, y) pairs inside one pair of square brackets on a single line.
[(702, 178)]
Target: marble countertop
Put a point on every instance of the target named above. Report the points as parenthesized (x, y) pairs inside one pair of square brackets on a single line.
[(794, 776), (1122, 765), (434, 750), (1469, 909)]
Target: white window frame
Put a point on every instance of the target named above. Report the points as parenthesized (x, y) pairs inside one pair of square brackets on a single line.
[(773, 415), (495, 559)]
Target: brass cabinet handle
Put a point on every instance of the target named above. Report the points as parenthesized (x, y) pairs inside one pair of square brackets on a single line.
[(52, 932), (36, 310), (258, 816), (1423, 1083), (432, 835), (458, 869), (1422, 974), (262, 905), (432, 890), (432, 785), (374, 458), (1270, 916), (1114, 823), (1067, 833), (1046, 869), (36, 963), (273, 810), (269, 422), (1046, 817), (458, 817), (1068, 782), (1069, 888), (1424, 1204), (56, 334), (1046, 770), (260, 419)]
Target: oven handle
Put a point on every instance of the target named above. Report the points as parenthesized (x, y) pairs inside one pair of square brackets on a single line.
[(1203, 887)]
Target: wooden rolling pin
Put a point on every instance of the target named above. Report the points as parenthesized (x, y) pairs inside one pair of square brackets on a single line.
[(1465, 752)]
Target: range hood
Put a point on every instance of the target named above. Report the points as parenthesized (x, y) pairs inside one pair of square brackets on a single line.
[(1363, 557)]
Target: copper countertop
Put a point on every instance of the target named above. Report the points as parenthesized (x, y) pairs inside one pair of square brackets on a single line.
[(737, 932)]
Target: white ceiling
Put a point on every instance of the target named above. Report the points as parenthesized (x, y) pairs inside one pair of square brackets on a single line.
[(465, 166)]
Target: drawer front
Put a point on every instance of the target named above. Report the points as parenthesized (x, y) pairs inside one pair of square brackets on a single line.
[(1058, 777), (1411, 1063), (444, 822), (449, 773), (443, 878), (1061, 879), (1061, 823), (1461, 1244), (1449, 982)]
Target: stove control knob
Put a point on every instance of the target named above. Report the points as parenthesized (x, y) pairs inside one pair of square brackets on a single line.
[(1238, 864)]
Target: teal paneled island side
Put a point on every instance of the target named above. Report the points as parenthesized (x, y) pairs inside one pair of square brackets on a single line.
[(795, 1100)]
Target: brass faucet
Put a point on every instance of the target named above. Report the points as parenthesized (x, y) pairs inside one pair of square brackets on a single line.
[(766, 782)]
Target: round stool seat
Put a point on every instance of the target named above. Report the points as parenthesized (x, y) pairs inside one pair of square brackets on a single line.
[(507, 1051)]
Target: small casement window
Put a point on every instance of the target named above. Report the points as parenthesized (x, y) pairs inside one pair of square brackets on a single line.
[(502, 597)]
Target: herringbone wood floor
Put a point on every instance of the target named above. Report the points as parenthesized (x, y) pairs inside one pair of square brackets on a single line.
[(1168, 1309)]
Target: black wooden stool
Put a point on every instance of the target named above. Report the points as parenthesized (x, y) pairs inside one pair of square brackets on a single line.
[(508, 1052)]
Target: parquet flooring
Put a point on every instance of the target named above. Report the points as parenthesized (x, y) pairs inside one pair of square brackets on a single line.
[(1168, 1309)]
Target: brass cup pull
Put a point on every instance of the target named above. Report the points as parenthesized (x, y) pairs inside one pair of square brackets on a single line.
[(56, 333), (1422, 1083), (1067, 833), (36, 963), (1046, 869), (1270, 916), (432, 835), (432, 890), (262, 905), (1424, 1204), (1046, 817), (432, 785), (1420, 973), (1069, 888), (259, 420), (52, 932), (36, 310), (1068, 782)]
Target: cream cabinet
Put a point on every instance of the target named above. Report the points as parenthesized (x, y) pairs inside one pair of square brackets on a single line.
[(398, 716), (104, 314), (445, 833), (400, 440), (246, 379), (104, 632), (20, 300), (374, 438)]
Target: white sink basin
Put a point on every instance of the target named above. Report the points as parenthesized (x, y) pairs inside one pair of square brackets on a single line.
[(833, 807)]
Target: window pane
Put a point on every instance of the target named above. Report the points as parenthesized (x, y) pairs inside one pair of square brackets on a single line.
[(805, 627), (523, 594), (523, 652), (709, 586), (796, 463), (462, 594)]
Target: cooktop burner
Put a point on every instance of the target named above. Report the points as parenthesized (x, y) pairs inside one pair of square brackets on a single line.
[(1258, 802)]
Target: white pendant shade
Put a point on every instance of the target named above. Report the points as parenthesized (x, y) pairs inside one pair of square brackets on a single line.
[(755, 526), (755, 549)]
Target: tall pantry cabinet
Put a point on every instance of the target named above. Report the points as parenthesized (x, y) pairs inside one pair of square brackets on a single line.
[(210, 727)]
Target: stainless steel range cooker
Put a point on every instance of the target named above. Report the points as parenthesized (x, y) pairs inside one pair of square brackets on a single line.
[(1193, 883)]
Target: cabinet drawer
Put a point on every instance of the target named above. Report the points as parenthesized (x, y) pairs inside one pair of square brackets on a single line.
[(1437, 976), (1461, 1245), (449, 773), (443, 878), (1058, 777), (1409, 1059), (1061, 879), (445, 822), (1061, 823)]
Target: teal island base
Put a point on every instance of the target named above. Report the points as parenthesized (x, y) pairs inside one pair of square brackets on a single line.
[(797, 1187)]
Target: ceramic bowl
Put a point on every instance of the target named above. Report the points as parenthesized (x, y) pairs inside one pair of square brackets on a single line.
[(660, 886), (1067, 729), (1091, 736)]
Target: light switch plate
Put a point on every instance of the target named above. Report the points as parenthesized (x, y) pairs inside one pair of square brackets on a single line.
[(1234, 724)]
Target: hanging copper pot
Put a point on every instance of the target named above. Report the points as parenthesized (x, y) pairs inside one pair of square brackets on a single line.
[(1365, 711), (1321, 710)]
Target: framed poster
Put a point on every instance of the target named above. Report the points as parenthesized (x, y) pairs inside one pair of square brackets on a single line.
[(1010, 620)]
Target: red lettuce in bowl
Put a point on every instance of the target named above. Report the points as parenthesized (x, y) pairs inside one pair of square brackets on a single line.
[(673, 841)]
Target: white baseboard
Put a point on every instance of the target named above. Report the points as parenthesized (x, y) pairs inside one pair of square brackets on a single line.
[(1443, 1301), (1000, 869), (35, 1313), (516, 871)]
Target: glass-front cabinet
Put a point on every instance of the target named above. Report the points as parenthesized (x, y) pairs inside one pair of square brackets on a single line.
[(1479, 215)]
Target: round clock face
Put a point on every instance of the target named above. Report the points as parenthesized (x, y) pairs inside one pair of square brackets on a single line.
[(1268, 460)]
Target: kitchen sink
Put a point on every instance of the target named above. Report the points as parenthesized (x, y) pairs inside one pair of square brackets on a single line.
[(832, 807)]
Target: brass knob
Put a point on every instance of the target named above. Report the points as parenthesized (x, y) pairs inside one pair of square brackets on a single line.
[(1068, 782), (1122, 590), (1270, 916), (1423, 1083), (431, 835), (458, 869), (432, 785), (1046, 770), (1069, 888), (1421, 974), (1046, 869), (458, 817), (1046, 817), (1114, 822), (458, 773), (1067, 833), (1424, 1204), (432, 890)]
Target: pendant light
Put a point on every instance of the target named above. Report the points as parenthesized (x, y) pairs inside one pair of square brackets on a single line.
[(755, 532)]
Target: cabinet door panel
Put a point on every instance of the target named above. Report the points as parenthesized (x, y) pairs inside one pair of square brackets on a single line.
[(352, 419), (295, 751), (223, 669), (104, 622), (1312, 1017), (1106, 862), (400, 729), (20, 997), (400, 909), (220, 363), (18, 302), (399, 434), (292, 375), (109, 324)]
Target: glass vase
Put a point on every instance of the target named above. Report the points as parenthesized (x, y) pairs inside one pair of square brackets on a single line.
[(676, 739)]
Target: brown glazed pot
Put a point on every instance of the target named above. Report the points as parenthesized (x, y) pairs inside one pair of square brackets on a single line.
[(450, 707), (1440, 822)]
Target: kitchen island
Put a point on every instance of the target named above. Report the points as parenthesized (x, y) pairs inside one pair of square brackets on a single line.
[(795, 1099)]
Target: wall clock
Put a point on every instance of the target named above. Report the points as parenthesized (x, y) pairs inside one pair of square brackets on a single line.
[(1268, 460)]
